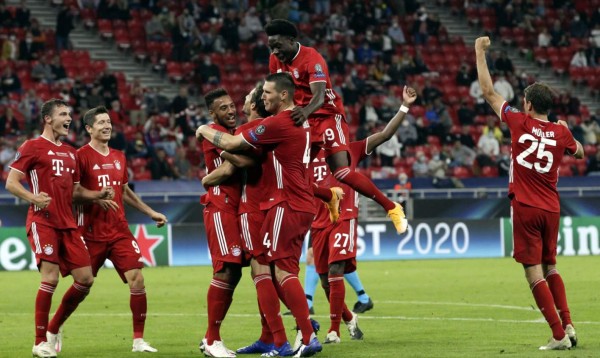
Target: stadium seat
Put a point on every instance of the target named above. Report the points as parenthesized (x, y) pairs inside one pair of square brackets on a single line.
[(174, 71), (105, 28), (489, 172), (462, 172)]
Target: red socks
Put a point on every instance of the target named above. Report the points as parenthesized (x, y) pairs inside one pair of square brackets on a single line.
[(43, 302), (265, 335), (557, 287), (296, 302), (337, 293), (139, 307), (363, 185), (545, 302), (72, 298), (269, 304), (322, 193), (219, 297)]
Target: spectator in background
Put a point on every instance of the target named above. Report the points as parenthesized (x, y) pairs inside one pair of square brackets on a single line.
[(28, 50), (503, 64), (420, 166), (557, 33), (155, 31), (209, 72), (59, 73), (39, 38), (430, 92), (229, 31), (395, 33), (22, 15), (6, 18), (137, 148), (261, 53), (253, 21), (465, 137), (419, 62), (463, 76), (160, 167), (181, 166), (118, 116), (95, 99), (544, 38), (9, 82), (504, 88), (9, 125), (64, 26), (42, 71), (368, 113), (108, 81), (591, 131), (364, 54), (461, 155), (388, 151), (578, 28), (576, 129), (180, 102), (593, 167), (465, 114), (30, 106), (403, 184), (504, 162), (408, 133), (10, 48), (7, 154), (337, 23), (488, 148), (477, 94), (492, 128), (579, 59)]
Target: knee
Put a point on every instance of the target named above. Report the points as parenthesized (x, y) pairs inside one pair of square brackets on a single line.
[(136, 281), (86, 280), (336, 268)]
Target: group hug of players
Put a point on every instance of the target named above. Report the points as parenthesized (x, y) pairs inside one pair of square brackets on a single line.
[(288, 170)]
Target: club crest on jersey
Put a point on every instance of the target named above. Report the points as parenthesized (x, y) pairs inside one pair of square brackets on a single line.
[(296, 74), (236, 251), (48, 249), (260, 129), (118, 165), (319, 71), (17, 156), (512, 109)]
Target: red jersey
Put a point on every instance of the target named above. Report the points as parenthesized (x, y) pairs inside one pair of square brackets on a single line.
[(253, 186), (50, 168), (225, 196), (290, 146), (98, 171), (537, 149), (308, 66), (323, 178)]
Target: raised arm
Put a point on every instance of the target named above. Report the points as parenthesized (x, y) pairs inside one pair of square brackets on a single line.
[(222, 140), (409, 95), (483, 74), (130, 198)]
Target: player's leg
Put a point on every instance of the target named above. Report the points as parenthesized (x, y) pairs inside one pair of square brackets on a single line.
[(528, 250), (557, 287), (364, 302), (43, 301), (138, 304), (311, 278), (75, 260)]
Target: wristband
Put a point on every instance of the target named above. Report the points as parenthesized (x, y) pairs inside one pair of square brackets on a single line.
[(403, 109)]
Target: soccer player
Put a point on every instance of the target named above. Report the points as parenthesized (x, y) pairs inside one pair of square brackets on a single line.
[(537, 150), (103, 224), (334, 245), (290, 210), (222, 230), (52, 173), (318, 103)]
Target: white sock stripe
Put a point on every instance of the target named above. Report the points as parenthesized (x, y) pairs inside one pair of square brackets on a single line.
[(552, 272), (81, 288), (221, 285), (332, 279), (259, 278), (137, 292), (537, 283), (287, 278)]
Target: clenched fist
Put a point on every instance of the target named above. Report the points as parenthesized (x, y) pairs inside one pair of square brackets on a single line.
[(482, 43)]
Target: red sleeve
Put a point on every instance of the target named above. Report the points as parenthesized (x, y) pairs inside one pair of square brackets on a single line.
[(358, 150), (571, 144), (125, 171), (25, 158), (317, 68), (270, 131), (509, 114)]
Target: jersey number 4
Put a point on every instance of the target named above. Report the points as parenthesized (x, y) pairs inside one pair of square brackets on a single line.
[(537, 146)]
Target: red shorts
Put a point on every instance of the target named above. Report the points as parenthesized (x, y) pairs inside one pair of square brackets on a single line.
[(65, 248), (535, 234), (223, 236), (250, 225), (334, 244), (124, 253), (330, 132), (283, 234)]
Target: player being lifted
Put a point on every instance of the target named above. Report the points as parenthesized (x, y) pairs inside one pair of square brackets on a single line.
[(318, 103), (537, 147), (334, 245)]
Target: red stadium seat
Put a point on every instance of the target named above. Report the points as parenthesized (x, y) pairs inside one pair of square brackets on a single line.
[(174, 71), (489, 172), (105, 28), (462, 172)]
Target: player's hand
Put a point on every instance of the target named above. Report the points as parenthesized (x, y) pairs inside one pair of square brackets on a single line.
[(409, 95), (299, 115), (199, 135), (41, 200), (482, 43), (107, 204), (159, 218), (107, 192)]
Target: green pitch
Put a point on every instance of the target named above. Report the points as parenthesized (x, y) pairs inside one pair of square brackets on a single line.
[(441, 308)]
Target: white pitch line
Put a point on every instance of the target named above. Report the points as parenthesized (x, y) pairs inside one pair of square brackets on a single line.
[(519, 308), (362, 317)]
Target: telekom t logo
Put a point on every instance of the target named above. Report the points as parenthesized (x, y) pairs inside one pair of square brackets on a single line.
[(57, 166), (320, 172), (103, 180)]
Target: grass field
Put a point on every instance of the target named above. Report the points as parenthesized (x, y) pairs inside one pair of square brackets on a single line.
[(442, 308)]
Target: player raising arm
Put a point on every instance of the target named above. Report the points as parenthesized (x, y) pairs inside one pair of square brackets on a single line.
[(537, 149)]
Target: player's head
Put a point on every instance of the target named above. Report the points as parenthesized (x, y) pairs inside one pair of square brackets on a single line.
[(278, 92), (97, 124), (538, 99), (221, 108), (282, 36), (56, 115), (254, 106)]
